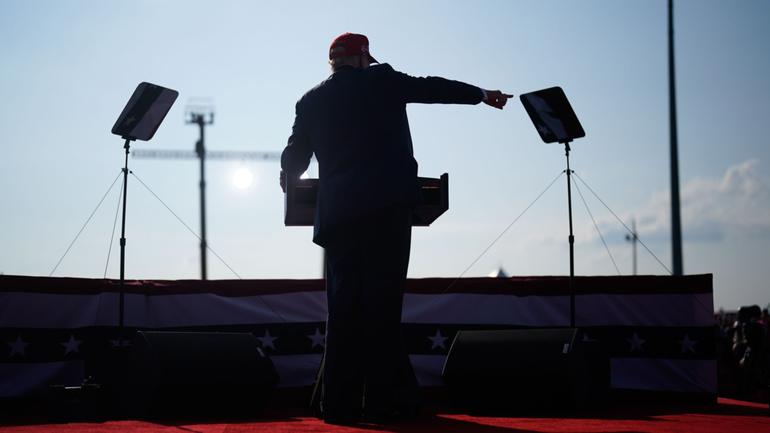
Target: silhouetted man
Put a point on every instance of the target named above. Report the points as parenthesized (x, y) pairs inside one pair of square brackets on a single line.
[(355, 122)]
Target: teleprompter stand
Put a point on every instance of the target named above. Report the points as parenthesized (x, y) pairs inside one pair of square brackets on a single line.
[(139, 120), (106, 367), (555, 121), (121, 307), (484, 370)]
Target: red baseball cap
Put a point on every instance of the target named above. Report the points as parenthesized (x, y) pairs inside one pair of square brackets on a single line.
[(350, 44)]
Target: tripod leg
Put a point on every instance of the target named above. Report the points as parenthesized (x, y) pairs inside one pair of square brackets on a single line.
[(315, 398)]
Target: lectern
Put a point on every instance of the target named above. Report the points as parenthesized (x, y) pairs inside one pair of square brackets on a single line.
[(299, 210), (301, 195)]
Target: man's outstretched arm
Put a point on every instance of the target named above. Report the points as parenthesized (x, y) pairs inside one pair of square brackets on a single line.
[(437, 90)]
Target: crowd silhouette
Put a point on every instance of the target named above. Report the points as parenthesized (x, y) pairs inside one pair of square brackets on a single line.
[(743, 338)]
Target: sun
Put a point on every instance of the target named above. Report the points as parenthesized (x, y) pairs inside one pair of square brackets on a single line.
[(242, 178)]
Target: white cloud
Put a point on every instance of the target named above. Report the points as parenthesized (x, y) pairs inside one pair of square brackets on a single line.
[(735, 205)]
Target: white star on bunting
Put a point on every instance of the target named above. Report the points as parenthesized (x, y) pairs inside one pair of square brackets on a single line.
[(18, 346), (317, 338), (71, 346), (438, 340), (687, 344), (636, 343), (267, 340)]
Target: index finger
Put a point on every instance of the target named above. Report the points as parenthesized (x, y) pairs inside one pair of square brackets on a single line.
[(507, 95)]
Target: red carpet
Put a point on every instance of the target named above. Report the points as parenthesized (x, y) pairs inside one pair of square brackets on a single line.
[(729, 416)]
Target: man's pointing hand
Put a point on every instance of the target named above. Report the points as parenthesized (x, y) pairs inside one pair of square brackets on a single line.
[(497, 99)]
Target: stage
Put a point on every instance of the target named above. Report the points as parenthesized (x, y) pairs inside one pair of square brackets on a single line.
[(657, 331), (726, 416)]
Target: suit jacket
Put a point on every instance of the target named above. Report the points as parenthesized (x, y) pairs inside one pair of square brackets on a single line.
[(355, 122)]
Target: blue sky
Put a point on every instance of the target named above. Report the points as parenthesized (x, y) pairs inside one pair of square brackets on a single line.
[(68, 67)]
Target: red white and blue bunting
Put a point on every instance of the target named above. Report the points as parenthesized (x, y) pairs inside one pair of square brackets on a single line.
[(659, 331)]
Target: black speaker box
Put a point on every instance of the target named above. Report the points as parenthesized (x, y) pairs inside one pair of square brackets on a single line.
[(197, 374), (526, 368)]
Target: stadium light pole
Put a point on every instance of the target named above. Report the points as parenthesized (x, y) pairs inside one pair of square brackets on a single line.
[(676, 222), (201, 115)]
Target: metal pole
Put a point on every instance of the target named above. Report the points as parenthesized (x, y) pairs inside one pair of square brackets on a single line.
[(571, 243), (676, 224), (200, 148), (121, 297), (633, 237), (634, 240)]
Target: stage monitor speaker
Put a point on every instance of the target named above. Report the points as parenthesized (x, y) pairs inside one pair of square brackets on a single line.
[(198, 374), (526, 368)]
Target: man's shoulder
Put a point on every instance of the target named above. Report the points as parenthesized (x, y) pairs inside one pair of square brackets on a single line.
[(320, 86), (314, 92), (319, 90)]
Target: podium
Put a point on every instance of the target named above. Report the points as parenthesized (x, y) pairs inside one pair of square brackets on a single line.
[(301, 195)]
